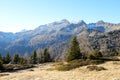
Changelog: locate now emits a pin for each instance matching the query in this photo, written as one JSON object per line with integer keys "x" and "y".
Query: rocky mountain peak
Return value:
{"x": 81, "y": 22}
{"x": 100, "y": 22}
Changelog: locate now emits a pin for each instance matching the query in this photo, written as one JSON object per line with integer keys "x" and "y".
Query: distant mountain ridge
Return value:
{"x": 49, "y": 35}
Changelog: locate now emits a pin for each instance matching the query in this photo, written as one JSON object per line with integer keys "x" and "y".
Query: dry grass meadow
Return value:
{"x": 45, "y": 72}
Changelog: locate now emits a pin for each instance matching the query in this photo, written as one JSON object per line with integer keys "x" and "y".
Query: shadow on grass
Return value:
{"x": 15, "y": 68}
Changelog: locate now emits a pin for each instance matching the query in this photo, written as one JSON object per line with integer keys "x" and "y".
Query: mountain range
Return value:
{"x": 56, "y": 36}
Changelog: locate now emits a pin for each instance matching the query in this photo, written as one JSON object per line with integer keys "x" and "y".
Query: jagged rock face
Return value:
{"x": 53, "y": 35}
{"x": 107, "y": 43}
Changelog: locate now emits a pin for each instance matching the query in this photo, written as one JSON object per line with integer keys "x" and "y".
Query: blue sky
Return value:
{"x": 16, "y": 15}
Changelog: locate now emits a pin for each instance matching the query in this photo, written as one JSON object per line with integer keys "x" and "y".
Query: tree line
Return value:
{"x": 45, "y": 56}
{"x": 34, "y": 58}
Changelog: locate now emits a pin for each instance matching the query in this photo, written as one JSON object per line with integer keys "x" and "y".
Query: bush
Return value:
{"x": 113, "y": 58}
{"x": 68, "y": 66}
{"x": 14, "y": 67}
{"x": 91, "y": 68}
{"x": 90, "y": 56}
{"x": 118, "y": 53}
{"x": 71, "y": 65}
{"x": 97, "y": 54}
{"x": 3, "y": 75}
{"x": 96, "y": 61}
{"x": 75, "y": 64}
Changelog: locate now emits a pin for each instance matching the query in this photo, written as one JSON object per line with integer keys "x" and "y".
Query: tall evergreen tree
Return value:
{"x": 4, "y": 60}
{"x": 74, "y": 52}
{"x": 7, "y": 58}
{"x": 23, "y": 61}
{"x": 46, "y": 55}
{"x": 0, "y": 56}
{"x": 1, "y": 62}
{"x": 33, "y": 58}
{"x": 16, "y": 58}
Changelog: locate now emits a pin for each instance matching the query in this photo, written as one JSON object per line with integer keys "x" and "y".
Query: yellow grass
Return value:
{"x": 82, "y": 73}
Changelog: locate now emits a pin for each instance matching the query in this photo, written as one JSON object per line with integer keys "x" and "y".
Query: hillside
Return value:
{"x": 107, "y": 43}
{"x": 57, "y": 36}
{"x": 43, "y": 72}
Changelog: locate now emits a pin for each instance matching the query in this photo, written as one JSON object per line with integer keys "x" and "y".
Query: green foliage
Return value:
{"x": 97, "y": 54}
{"x": 75, "y": 64}
{"x": 16, "y": 59}
{"x": 23, "y": 61}
{"x": 69, "y": 66}
{"x": 16, "y": 67}
{"x": 7, "y": 58}
{"x": 46, "y": 56}
{"x": 1, "y": 61}
{"x": 90, "y": 56}
{"x": 1, "y": 64}
{"x": 118, "y": 53}
{"x": 33, "y": 58}
{"x": 113, "y": 52}
{"x": 74, "y": 52}
{"x": 96, "y": 61}
{"x": 0, "y": 57}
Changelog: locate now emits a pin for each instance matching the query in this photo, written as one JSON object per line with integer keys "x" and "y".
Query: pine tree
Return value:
{"x": 23, "y": 61}
{"x": 46, "y": 55}
{"x": 7, "y": 58}
{"x": 0, "y": 56}
{"x": 1, "y": 64}
{"x": 74, "y": 52}
{"x": 33, "y": 58}
{"x": 16, "y": 59}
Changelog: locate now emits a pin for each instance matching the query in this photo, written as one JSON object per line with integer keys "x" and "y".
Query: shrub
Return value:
{"x": 31, "y": 70}
{"x": 71, "y": 65}
{"x": 68, "y": 66}
{"x": 118, "y": 53}
{"x": 91, "y": 68}
{"x": 90, "y": 56}
{"x": 75, "y": 64}
{"x": 3, "y": 75}
{"x": 96, "y": 61}
{"x": 97, "y": 54}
